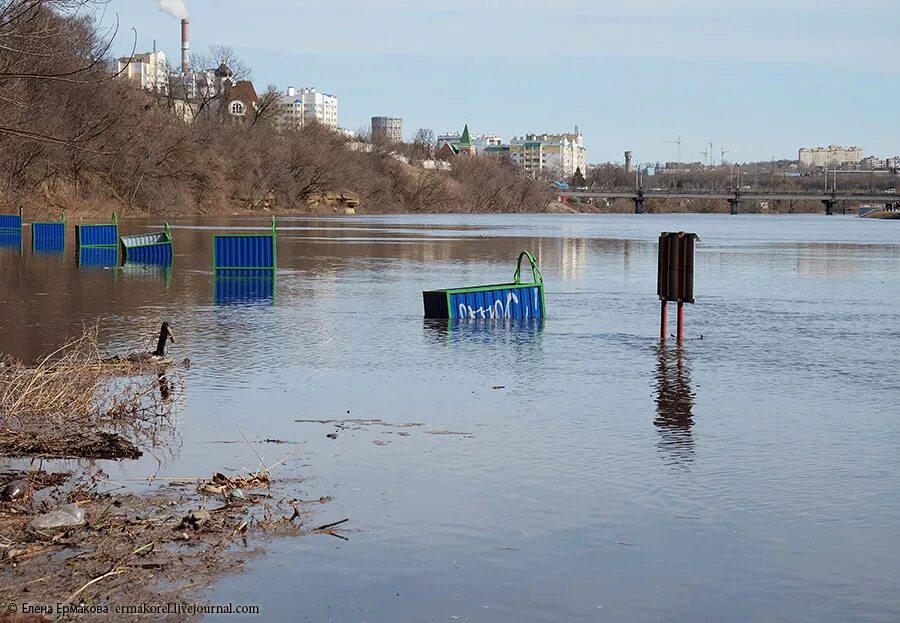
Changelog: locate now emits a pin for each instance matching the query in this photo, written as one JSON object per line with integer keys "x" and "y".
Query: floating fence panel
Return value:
{"x": 152, "y": 248}
{"x": 11, "y": 222}
{"x": 245, "y": 251}
{"x": 48, "y": 237}
{"x": 515, "y": 300}
{"x": 236, "y": 287}
{"x": 103, "y": 235}
{"x": 99, "y": 257}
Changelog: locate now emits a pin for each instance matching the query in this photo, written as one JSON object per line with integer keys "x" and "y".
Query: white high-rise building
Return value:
{"x": 302, "y": 106}
{"x": 557, "y": 154}
{"x": 149, "y": 70}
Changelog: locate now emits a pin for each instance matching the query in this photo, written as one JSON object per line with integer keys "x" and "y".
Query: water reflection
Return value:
{"x": 11, "y": 239}
{"x": 48, "y": 245}
{"x": 244, "y": 286}
{"x": 98, "y": 257}
{"x": 484, "y": 330}
{"x": 482, "y": 343}
{"x": 149, "y": 271}
{"x": 674, "y": 406}
{"x": 165, "y": 390}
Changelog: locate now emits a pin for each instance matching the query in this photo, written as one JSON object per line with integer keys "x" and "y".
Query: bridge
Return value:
{"x": 829, "y": 198}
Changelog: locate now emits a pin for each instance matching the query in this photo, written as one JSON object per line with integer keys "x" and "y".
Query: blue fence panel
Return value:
{"x": 11, "y": 221}
{"x": 10, "y": 239}
{"x": 48, "y": 237}
{"x": 509, "y": 302}
{"x": 236, "y": 252}
{"x": 97, "y": 235}
{"x": 244, "y": 286}
{"x": 157, "y": 254}
{"x": 99, "y": 257}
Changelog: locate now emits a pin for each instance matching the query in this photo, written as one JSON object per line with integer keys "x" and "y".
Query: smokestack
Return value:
{"x": 185, "y": 46}
{"x": 627, "y": 162}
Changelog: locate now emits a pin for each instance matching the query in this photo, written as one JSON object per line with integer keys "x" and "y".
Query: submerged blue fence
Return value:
{"x": 11, "y": 222}
{"x": 515, "y": 300}
{"x": 97, "y": 235}
{"x": 48, "y": 237}
{"x": 151, "y": 248}
{"x": 244, "y": 286}
{"x": 102, "y": 235}
{"x": 242, "y": 251}
{"x": 156, "y": 254}
{"x": 504, "y": 302}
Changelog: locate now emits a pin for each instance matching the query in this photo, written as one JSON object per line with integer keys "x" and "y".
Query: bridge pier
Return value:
{"x": 735, "y": 203}
{"x": 829, "y": 206}
{"x": 638, "y": 204}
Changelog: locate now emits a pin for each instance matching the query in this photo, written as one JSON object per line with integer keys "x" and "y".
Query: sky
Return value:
{"x": 757, "y": 78}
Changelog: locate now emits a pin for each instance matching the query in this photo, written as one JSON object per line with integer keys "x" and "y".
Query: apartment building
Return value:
{"x": 149, "y": 70}
{"x": 302, "y": 106}
{"x": 833, "y": 155}
{"x": 555, "y": 154}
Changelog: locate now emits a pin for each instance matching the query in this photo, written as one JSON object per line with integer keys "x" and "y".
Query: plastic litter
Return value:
{"x": 14, "y": 490}
{"x": 62, "y": 517}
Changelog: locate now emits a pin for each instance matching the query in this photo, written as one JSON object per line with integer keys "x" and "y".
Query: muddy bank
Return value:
{"x": 82, "y": 544}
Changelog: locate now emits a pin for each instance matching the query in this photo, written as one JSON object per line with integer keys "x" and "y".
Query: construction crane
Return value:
{"x": 677, "y": 142}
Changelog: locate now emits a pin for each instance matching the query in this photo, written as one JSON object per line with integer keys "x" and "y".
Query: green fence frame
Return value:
{"x": 274, "y": 266}
{"x": 537, "y": 281}
{"x": 115, "y": 221}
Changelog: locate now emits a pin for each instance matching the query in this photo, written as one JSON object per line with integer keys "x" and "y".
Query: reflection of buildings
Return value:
{"x": 572, "y": 257}
{"x": 674, "y": 406}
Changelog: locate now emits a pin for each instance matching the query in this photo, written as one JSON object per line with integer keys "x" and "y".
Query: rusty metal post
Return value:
{"x": 680, "y": 326}
{"x": 662, "y": 321}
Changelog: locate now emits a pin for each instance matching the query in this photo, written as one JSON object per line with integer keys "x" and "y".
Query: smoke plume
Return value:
{"x": 175, "y": 8}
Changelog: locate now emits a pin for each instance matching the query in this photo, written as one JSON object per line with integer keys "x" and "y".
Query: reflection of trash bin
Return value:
{"x": 153, "y": 248}
{"x": 508, "y": 300}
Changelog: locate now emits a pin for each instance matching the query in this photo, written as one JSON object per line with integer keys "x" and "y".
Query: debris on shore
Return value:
{"x": 80, "y": 538}
{"x": 71, "y": 540}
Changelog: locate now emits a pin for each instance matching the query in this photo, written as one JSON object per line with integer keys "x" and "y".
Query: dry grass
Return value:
{"x": 57, "y": 407}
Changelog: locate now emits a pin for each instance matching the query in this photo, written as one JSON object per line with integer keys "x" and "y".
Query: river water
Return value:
{"x": 570, "y": 471}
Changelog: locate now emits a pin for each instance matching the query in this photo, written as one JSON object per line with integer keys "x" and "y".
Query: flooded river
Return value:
{"x": 570, "y": 471}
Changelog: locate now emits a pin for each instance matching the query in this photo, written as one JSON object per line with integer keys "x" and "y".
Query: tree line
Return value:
{"x": 74, "y": 136}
